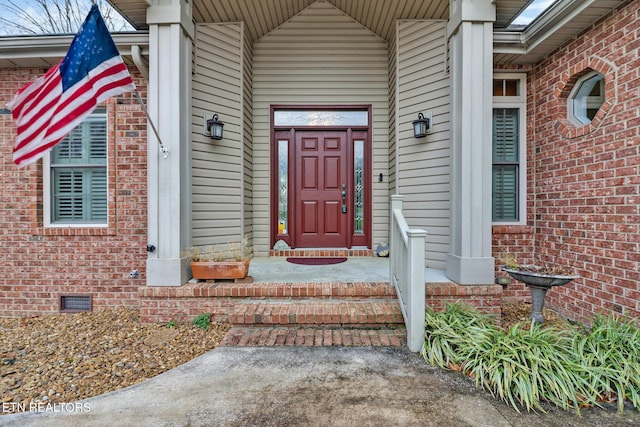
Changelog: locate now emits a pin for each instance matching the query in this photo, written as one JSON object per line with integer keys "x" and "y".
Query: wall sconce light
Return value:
{"x": 213, "y": 127}
{"x": 422, "y": 125}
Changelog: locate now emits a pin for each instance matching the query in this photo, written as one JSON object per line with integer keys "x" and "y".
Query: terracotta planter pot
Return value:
{"x": 220, "y": 269}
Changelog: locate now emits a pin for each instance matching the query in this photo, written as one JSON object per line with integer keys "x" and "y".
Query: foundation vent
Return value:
{"x": 75, "y": 303}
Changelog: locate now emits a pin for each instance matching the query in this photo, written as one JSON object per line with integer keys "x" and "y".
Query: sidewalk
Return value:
{"x": 309, "y": 386}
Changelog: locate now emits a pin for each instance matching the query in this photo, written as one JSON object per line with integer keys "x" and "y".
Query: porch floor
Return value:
{"x": 354, "y": 269}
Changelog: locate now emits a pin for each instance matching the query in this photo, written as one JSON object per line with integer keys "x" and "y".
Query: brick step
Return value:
{"x": 276, "y": 336}
{"x": 314, "y": 312}
{"x": 259, "y": 290}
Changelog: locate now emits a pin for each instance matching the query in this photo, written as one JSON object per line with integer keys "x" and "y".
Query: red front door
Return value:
{"x": 321, "y": 199}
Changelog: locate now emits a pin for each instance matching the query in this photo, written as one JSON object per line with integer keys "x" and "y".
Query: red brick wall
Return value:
{"x": 517, "y": 240}
{"x": 586, "y": 180}
{"x": 41, "y": 263}
{"x": 486, "y": 299}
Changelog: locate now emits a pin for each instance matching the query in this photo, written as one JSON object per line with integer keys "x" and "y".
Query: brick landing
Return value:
{"x": 286, "y": 314}
{"x": 304, "y": 314}
{"x": 224, "y": 300}
{"x": 278, "y": 336}
{"x": 369, "y": 313}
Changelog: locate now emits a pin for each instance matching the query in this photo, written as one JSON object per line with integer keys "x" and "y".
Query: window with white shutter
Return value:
{"x": 77, "y": 175}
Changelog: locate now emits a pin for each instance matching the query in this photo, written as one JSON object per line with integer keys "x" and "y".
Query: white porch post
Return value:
{"x": 470, "y": 33}
{"x": 169, "y": 102}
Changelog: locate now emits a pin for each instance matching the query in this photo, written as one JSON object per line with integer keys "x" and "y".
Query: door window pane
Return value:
{"x": 320, "y": 118}
{"x": 283, "y": 186}
{"x": 358, "y": 190}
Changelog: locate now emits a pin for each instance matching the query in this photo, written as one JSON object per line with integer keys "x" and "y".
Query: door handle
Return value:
{"x": 344, "y": 198}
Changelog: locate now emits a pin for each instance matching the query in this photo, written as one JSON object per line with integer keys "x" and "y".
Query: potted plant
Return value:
{"x": 223, "y": 261}
{"x": 539, "y": 279}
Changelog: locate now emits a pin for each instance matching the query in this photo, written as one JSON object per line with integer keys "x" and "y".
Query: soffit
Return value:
{"x": 47, "y": 51}
{"x": 262, "y": 16}
{"x": 565, "y": 20}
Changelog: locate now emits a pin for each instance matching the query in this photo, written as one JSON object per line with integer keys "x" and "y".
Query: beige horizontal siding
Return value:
{"x": 393, "y": 74}
{"x": 217, "y": 166}
{"x": 320, "y": 56}
{"x": 247, "y": 140}
{"x": 423, "y": 164}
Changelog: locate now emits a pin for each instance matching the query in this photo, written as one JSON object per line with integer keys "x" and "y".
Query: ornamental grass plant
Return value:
{"x": 570, "y": 367}
{"x": 608, "y": 354}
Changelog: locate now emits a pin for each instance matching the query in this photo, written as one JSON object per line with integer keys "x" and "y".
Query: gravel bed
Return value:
{"x": 67, "y": 357}
{"x": 63, "y": 358}
{"x": 513, "y": 313}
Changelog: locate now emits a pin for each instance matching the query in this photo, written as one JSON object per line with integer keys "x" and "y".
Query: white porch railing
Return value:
{"x": 406, "y": 270}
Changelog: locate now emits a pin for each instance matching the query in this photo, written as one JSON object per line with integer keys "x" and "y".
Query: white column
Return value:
{"x": 470, "y": 33}
{"x": 169, "y": 179}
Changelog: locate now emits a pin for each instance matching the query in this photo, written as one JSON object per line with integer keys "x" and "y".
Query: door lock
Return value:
{"x": 344, "y": 198}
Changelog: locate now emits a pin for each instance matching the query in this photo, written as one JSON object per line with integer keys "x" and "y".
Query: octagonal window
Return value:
{"x": 586, "y": 98}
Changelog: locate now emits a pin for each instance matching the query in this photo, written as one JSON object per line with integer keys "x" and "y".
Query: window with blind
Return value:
{"x": 78, "y": 175}
{"x": 508, "y": 160}
{"x": 505, "y": 164}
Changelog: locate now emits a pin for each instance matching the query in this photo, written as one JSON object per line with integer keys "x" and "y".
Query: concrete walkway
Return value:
{"x": 307, "y": 386}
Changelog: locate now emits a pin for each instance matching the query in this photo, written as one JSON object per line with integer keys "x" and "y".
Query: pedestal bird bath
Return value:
{"x": 539, "y": 282}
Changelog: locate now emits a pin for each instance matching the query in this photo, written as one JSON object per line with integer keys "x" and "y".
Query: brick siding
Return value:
{"x": 584, "y": 181}
{"x": 484, "y": 298}
{"x": 582, "y": 201}
{"x": 41, "y": 263}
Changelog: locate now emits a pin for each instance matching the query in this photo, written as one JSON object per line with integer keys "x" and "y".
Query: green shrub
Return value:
{"x": 203, "y": 321}
{"x": 524, "y": 367}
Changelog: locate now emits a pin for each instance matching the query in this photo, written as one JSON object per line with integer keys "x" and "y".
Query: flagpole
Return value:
{"x": 165, "y": 151}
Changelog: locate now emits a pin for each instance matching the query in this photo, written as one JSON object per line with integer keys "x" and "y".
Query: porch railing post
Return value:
{"x": 406, "y": 272}
{"x": 395, "y": 238}
{"x": 416, "y": 290}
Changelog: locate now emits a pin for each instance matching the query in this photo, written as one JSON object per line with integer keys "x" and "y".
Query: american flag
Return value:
{"x": 46, "y": 110}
